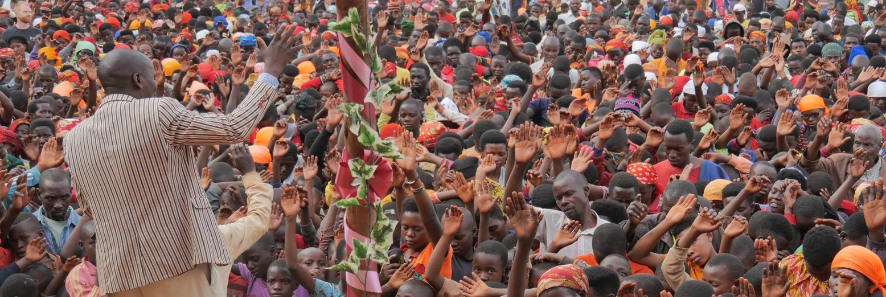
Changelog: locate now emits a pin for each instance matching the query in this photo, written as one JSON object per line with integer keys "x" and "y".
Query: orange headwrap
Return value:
{"x": 862, "y": 261}
{"x": 758, "y": 34}
{"x": 616, "y": 43}
{"x": 260, "y": 154}
{"x": 810, "y": 102}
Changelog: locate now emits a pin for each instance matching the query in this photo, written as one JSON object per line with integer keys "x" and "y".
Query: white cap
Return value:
{"x": 638, "y": 45}
{"x": 651, "y": 76}
{"x": 689, "y": 88}
{"x": 702, "y": 31}
{"x": 211, "y": 53}
{"x": 712, "y": 57}
{"x": 201, "y": 34}
{"x": 632, "y": 59}
{"x": 873, "y": 3}
{"x": 739, "y": 7}
{"x": 877, "y": 89}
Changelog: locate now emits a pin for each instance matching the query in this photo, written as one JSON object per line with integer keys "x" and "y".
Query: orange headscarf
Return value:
{"x": 810, "y": 102}
{"x": 758, "y": 34}
{"x": 862, "y": 261}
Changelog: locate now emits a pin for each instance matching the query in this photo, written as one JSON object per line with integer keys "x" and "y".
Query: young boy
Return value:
{"x": 25, "y": 229}
{"x": 83, "y": 279}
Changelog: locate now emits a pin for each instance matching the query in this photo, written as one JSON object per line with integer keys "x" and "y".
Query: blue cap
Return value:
{"x": 219, "y": 19}
{"x": 247, "y": 40}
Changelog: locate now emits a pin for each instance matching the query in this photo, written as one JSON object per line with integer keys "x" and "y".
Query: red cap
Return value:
{"x": 114, "y": 22}
{"x": 61, "y": 34}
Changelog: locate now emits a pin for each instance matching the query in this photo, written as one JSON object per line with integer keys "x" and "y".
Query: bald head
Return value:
{"x": 127, "y": 72}
{"x": 870, "y": 131}
{"x": 674, "y": 48}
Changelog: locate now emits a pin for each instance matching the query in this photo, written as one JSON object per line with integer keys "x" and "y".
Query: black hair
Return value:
{"x": 662, "y": 108}
{"x": 700, "y": 185}
{"x": 450, "y": 42}
{"x": 675, "y": 189}
{"x": 827, "y": 245}
{"x": 878, "y": 61}
{"x": 543, "y": 196}
{"x": 820, "y": 180}
{"x": 680, "y": 127}
{"x": 859, "y": 103}
{"x": 764, "y": 224}
{"x": 32, "y": 107}
{"x": 624, "y": 180}
{"x": 707, "y": 44}
{"x": 645, "y": 281}
{"x": 755, "y": 276}
{"x": 266, "y": 242}
{"x": 731, "y": 264}
{"x": 694, "y": 288}
{"x": 591, "y": 174}
{"x": 602, "y": 281}
{"x": 421, "y": 66}
{"x": 494, "y": 248}
{"x": 43, "y": 123}
{"x": 795, "y": 174}
{"x": 609, "y": 239}
{"x": 637, "y": 138}
{"x": 743, "y": 248}
{"x": 747, "y": 101}
{"x": 611, "y": 209}
{"x": 519, "y": 69}
{"x": 809, "y": 206}
{"x": 409, "y": 205}
{"x": 448, "y": 145}
{"x": 733, "y": 189}
{"x": 767, "y": 133}
{"x": 492, "y": 137}
{"x": 560, "y": 81}
{"x": 561, "y": 63}
{"x": 518, "y": 84}
{"x": 481, "y": 127}
{"x": 855, "y": 227}
{"x": 39, "y": 273}
{"x": 20, "y": 285}
{"x": 290, "y": 70}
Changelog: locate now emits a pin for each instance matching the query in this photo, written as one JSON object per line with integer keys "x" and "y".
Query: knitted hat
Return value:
{"x": 831, "y": 49}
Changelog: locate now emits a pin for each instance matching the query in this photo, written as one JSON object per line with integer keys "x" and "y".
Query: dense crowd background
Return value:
{"x": 549, "y": 148}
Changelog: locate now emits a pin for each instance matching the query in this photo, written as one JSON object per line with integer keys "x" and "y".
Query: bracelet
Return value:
{"x": 409, "y": 182}
{"x": 418, "y": 190}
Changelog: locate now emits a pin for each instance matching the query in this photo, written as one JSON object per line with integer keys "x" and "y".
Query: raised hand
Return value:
{"x": 874, "y": 198}
{"x": 577, "y": 107}
{"x": 474, "y": 287}
{"x": 837, "y": 137}
{"x": 406, "y": 144}
{"x": 708, "y": 140}
{"x": 280, "y": 52}
{"x": 52, "y": 155}
{"x": 744, "y": 289}
{"x": 737, "y": 117}
{"x": 527, "y": 143}
{"x": 669, "y": 79}
{"x": 678, "y": 212}
{"x": 281, "y": 148}
{"x": 702, "y": 117}
{"x": 765, "y": 250}
{"x": 36, "y": 249}
{"x": 310, "y": 168}
{"x": 403, "y": 274}
{"x": 5, "y": 183}
{"x": 774, "y": 280}
{"x": 607, "y": 127}
{"x": 485, "y": 200}
{"x": 70, "y": 263}
{"x": 582, "y": 159}
{"x": 241, "y": 158}
{"x": 786, "y": 124}
{"x": 553, "y": 114}
{"x": 706, "y": 221}
{"x": 523, "y": 218}
{"x": 452, "y": 218}
{"x": 637, "y": 211}
{"x": 857, "y": 166}
{"x": 487, "y": 164}
{"x": 755, "y": 184}
{"x": 654, "y": 137}
{"x": 22, "y": 196}
{"x": 744, "y": 136}
{"x": 465, "y": 189}
{"x": 205, "y": 178}
{"x": 568, "y": 234}
{"x": 737, "y": 227}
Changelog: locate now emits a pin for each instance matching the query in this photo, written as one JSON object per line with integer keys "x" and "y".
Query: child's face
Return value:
{"x": 257, "y": 258}
{"x": 279, "y": 282}
{"x": 229, "y": 200}
{"x": 412, "y": 231}
{"x": 623, "y": 195}
{"x": 619, "y": 264}
{"x": 463, "y": 242}
{"x": 499, "y": 151}
{"x": 488, "y": 267}
{"x": 718, "y": 277}
{"x": 21, "y": 234}
{"x": 314, "y": 260}
{"x": 701, "y": 250}
{"x": 746, "y": 209}
{"x": 497, "y": 229}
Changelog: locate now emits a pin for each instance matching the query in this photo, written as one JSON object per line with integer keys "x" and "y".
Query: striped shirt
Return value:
{"x": 134, "y": 172}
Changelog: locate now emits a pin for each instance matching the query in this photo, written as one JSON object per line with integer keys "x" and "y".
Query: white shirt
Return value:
{"x": 551, "y": 223}
{"x": 568, "y": 17}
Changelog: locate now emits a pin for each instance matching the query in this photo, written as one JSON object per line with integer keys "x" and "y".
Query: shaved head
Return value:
{"x": 127, "y": 72}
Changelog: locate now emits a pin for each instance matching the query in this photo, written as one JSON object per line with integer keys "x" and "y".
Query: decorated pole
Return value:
{"x": 365, "y": 173}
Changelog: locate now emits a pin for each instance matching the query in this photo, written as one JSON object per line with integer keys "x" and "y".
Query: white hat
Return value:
{"x": 211, "y": 53}
{"x": 201, "y": 34}
{"x": 689, "y": 88}
{"x": 651, "y": 76}
{"x": 877, "y": 89}
{"x": 638, "y": 45}
{"x": 632, "y": 59}
{"x": 712, "y": 57}
{"x": 739, "y": 7}
{"x": 873, "y": 3}
{"x": 702, "y": 31}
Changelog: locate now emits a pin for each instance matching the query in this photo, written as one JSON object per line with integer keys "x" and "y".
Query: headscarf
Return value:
{"x": 389, "y": 131}
{"x": 723, "y": 99}
{"x": 657, "y": 37}
{"x": 831, "y": 49}
{"x": 862, "y": 261}
{"x": 428, "y": 133}
{"x": 758, "y": 34}
{"x": 63, "y": 89}
{"x": 643, "y": 172}
{"x": 6, "y": 53}
{"x": 170, "y": 65}
{"x": 616, "y": 43}
{"x": 810, "y": 102}
{"x": 179, "y": 45}
{"x": 260, "y": 154}
{"x": 857, "y": 50}
{"x": 50, "y": 55}
{"x": 83, "y": 45}
{"x": 714, "y": 190}
{"x": 9, "y": 137}
{"x": 568, "y": 276}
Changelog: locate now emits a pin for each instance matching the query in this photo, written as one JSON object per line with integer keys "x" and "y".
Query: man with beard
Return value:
{"x": 23, "y": 17}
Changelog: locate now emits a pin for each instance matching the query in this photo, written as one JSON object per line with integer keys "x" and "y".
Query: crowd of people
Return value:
{"x": 547, "y": 148}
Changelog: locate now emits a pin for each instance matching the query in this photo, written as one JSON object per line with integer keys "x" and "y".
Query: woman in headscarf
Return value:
{"x": 812, "y": 109}
{"x": 563, "y": 280}
{"x": 857, "y": 271}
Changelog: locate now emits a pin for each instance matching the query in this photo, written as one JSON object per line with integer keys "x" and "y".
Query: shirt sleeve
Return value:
{"x": 184, "y": 127}
{"x": 324, "y": 289}
{"x": 672, "y": 266}
{"x": 242, "y": 234}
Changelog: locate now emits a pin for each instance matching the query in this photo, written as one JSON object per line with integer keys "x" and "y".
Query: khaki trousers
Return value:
{"x": 194, "y": 282}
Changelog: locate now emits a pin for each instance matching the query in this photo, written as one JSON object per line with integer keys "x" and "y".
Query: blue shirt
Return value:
{"x": 33, "y": 180}
{"x": 54, "y": 246}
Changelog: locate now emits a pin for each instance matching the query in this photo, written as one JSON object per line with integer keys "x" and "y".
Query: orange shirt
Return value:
{"x": 421, "y": 261}
{"x": 635, "y": 267}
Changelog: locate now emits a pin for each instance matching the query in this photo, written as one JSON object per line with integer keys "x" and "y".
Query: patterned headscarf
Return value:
{"x": 657, "y": 37}
{"x": 644, "y": 173}
{"x": 568, "y": 276}
{"x": 723, "y": 99}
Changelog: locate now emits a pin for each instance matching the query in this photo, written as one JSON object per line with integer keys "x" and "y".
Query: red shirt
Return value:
{"x": 665, "y": 170}
{"x": 680, "y": 111}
